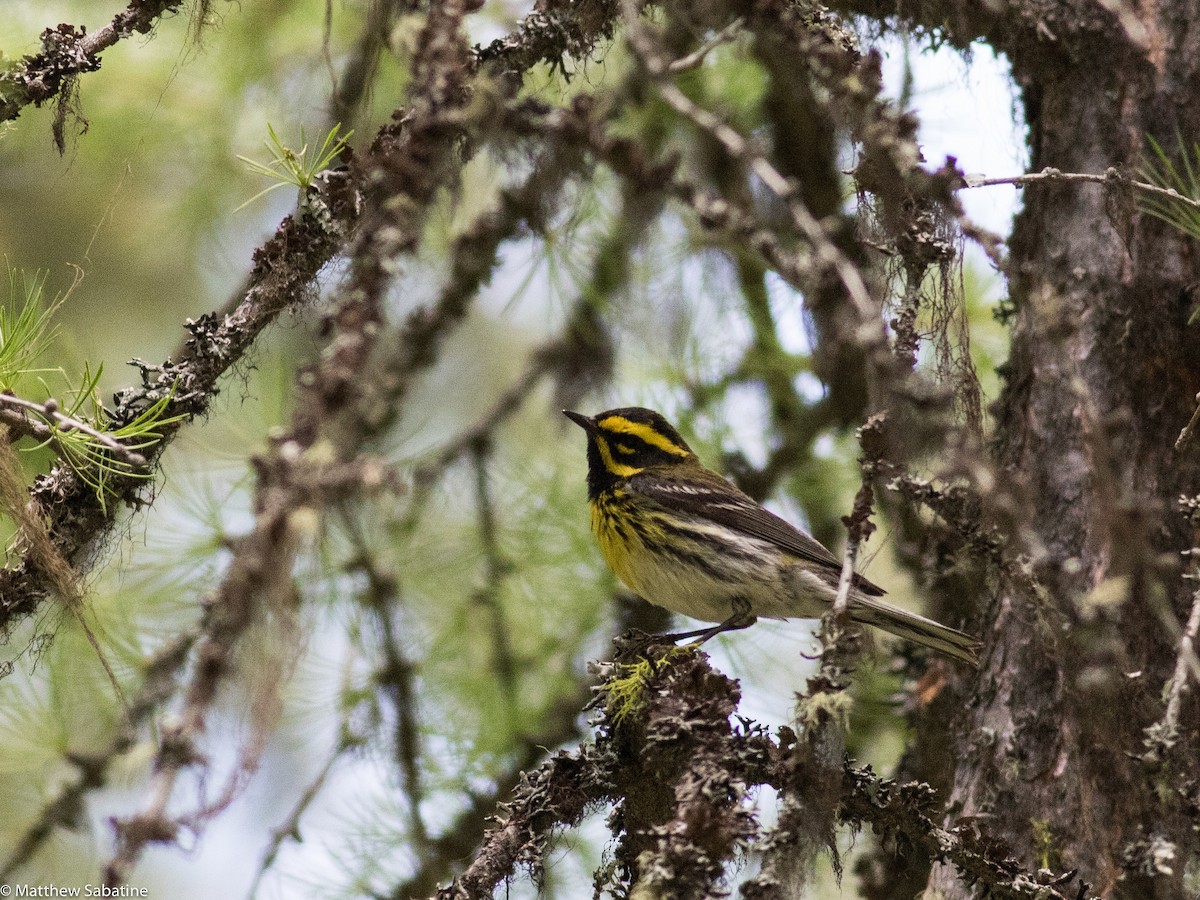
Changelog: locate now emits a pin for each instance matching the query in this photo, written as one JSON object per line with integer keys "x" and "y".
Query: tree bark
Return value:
{"x": 1103, "y": 374}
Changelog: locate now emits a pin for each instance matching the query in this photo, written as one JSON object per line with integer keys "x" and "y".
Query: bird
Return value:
{"x": 683, "y": 537}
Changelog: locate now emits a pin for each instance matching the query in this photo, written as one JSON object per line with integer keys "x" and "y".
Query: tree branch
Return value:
{"x": 908, "y": 810}
{"x": 67, "y": 52}
{"x": 827, "y": 255}
{"x": 290, "y": 475}
{"x": 1112, "y": 178}
{"x": 65, "y": 809}
{"x": 15, "y": 412}
{"x": 284, "y": 268}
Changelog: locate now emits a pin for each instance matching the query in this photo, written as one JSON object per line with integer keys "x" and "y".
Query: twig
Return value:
{"x": 497, "y": 568}
{"x": 284, "y": 268}
{"x": 461, "y": 837}
{"x": 907, "y": 813}
{"x": 289, "y": 476}
{"x": 262, "y": 563}
{"x": 697, "y": 56}
{"x": 505, "y": 406}
{"x": 290, "y": 827}
{"x": 33, "y": 535}
{"x": 858, "y": 526}
{"x": 766, "y": 361}
{"x": 629, "y": 160}
{"x": 814, "y": 784}
{"x": 473, "y": 259}
{"x": 39, "y": 431}
{"x": 549, "y": 33}
{"x": 841, "y": 603}
{"x": 1185, "y": 436}
{"x": 395, "y": 673}
{"x": 1111, "y": 176}
{"x": 63, "y": 811}
{"x": 827, "y": 254}
{"x": 1185, "y": 662}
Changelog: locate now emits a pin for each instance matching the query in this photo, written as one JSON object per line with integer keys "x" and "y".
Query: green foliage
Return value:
{"x": 80, "y": 432}
{"x": 295, "y": 167}
{"x": 90, "y": 454}
{"x": 26, "y": 330}
{"x": 1182, "y": 178}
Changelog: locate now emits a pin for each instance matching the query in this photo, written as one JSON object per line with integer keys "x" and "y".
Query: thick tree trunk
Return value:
{"x": 1103, "y": 375}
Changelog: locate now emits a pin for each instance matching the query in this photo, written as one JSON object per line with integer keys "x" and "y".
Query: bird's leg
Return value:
{"x": 739, "y": 619}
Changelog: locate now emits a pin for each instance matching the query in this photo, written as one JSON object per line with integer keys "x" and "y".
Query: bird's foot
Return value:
{"x": 739, "y": 619}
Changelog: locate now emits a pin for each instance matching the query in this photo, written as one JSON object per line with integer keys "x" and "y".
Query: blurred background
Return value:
{"x": 394, "y": 726}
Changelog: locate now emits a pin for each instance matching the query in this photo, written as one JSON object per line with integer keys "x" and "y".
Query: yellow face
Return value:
{"x": 624, "y": 442}
{"x": 628, "y": 447}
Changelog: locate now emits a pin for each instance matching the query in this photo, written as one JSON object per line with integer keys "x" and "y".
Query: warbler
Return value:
{"x": 682, "y": 537}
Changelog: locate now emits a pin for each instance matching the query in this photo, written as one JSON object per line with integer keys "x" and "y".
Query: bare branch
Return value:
{"x": 497, "y": 570}
{"x": 1185, "y": 436}
{"x": 1165, "y": 733}
{"x": 289, "y": 829}
{"x": 858, "y": 524}
{"x": 396, "y": 672}
{"x": 65, "y": 809}
{"x": 697, "y": 56}
{"x": 290, "y": 475}
{"x": 908, "y": 810}
{"x": 1185, "y": 662}
{"x": 1111, "y": 177}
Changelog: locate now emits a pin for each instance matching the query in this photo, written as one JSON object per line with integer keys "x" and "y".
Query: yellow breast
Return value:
{"x": 619, "y": 541}
{"x": 697, "y": 568}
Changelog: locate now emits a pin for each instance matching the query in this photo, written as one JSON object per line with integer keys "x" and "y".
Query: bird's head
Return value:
{"x": 625, "y": 442}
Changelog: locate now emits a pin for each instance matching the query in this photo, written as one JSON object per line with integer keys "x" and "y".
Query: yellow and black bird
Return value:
{"x": 683, "y": 537}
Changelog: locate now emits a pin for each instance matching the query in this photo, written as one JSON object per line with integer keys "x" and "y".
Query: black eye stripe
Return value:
{"x": 628, "y": 444}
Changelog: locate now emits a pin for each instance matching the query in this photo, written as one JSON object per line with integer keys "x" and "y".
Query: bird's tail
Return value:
{"x": 911, "y": 627}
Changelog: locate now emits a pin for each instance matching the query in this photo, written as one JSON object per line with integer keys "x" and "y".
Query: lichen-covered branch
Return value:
{"x": 909, "y": 811}
{"x": 678, "y": 777}
{"x": 68, "y": 52}
{"x": 283, "y": 273}
{"x": 283, "y": 276}
{"x": 321, "y": 435}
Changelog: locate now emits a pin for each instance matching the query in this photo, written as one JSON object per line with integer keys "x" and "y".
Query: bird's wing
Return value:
{"x": 733, "y": 509}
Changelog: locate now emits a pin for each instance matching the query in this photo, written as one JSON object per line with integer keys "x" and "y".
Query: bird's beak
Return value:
{"x": 585, "y": 422}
